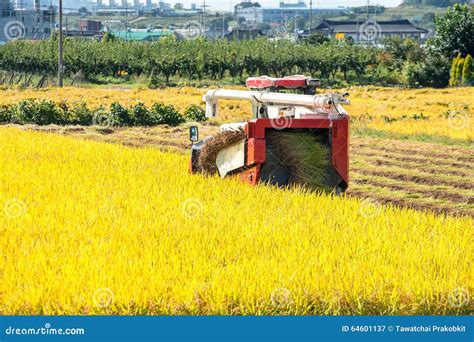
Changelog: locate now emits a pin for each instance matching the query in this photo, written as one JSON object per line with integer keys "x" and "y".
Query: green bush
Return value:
{"x": 5, "y": 114}
{"x": 164, "y": 115}
{"x": 141, "y": 115}
{"x": 43, "y": 112}
{"x": 385, "y": 76}
{"x": 432, "y": 73}
{"x": 467, "y": 72}
{"x": 452, "y": 73}
{"x": 79, "y": 114}
{"x": 122, "y": 116}
{"x": 195, "y": 113}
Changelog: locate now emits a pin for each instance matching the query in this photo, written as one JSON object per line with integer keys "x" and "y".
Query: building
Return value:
{"x": 289, "y": 13}
{"x": 26, "y": 23}
{"x": 5, "y": 5}
{"x": 142, "y": 35}
{"x": 299, "y": 5}
{"x": 242, "y": 34}
{"x": 251, "y": 14}
{"x": 369, "y": 32}
{"x": 87, "y": 25}
{"x": 164, "y": 6}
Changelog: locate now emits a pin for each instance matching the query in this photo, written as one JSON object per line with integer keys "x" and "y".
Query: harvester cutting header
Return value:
{"x": 293, "y": 138}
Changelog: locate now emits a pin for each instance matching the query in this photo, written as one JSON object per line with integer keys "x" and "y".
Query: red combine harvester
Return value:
{"x": 293, "y": 138}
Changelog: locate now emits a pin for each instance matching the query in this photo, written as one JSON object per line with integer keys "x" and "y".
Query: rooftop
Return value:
{"x": 401, "y": 26}
{"x": 141, "y": 34}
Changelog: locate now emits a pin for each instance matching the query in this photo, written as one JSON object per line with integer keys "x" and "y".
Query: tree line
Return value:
{"x": 190, "y": 59}
{"x": 398, "y": 61}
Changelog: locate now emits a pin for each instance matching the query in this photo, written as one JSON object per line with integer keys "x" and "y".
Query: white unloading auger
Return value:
{"x": 279, "y": 104}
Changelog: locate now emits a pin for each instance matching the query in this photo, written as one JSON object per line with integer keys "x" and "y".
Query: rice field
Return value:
{"x": 420, "y": 113}
{"x": 95, "y": 228}
{"x": 423, "y": 176}
{"x": 112, "y": 223}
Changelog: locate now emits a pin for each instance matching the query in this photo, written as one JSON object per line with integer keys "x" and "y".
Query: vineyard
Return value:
{"x": 195, "y": 59}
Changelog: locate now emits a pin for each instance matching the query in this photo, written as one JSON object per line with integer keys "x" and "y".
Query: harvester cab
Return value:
{"x": 294, "y": 138}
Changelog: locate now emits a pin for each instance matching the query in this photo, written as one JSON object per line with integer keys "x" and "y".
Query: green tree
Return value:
{"x": 459, "y": 68}
{"x": 400, "y": 50}
{"x": 316, "y": 39}
{"x": 467, "y": 76}
{"x": 452, "y": 73}
{"x": 455, "y": 32}
{"x": 434, "y": 72}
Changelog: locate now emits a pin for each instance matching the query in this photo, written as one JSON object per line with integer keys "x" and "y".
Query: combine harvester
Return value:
{"x": 293, "y": 138}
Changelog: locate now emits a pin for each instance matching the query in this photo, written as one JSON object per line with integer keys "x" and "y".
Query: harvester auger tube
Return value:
{"x": 293, "y": 139}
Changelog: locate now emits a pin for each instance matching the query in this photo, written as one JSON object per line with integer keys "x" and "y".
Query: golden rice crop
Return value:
{"x": 450, "y": 111}
{"x": 91, "y": 228}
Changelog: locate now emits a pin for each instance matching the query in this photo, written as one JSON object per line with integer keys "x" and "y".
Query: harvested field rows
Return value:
{"x": 417, "y": 175}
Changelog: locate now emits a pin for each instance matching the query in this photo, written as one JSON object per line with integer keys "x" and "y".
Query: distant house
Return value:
{"x": 87, "y": 25}
{"x": 369, "y": 32}
{"x": 141, "y": 35}
{"x": 251, "y": 14}
{"x": 242, "y": 34}
{"x": 286, "y": 12}
{"x": 88, "y": 29}
{"x": 26, "y": 23}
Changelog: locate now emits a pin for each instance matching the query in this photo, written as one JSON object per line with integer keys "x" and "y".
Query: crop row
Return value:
{"x": 46, "y": 112}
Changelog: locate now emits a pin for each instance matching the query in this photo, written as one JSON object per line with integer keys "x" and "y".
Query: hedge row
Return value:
{"x": 45, "y": 112}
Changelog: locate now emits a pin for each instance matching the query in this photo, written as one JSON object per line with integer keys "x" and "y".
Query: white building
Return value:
{"x": 250, "y": 14}
{"x": 26, "y": 24}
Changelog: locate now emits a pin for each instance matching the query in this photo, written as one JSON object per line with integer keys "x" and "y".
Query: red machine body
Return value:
{"x": 300, "y": 110}
{"x": 256, "y": 152}
{"x": 289, "y": 82}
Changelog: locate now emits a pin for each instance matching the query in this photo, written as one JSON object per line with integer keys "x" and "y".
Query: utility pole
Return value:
{"x": 204, "y": 7}
{"x": 126, "y": 21}
{"x": 60, "y": 56}
{"x": 310, "y": 16}
{"x": 223, "y": 25}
